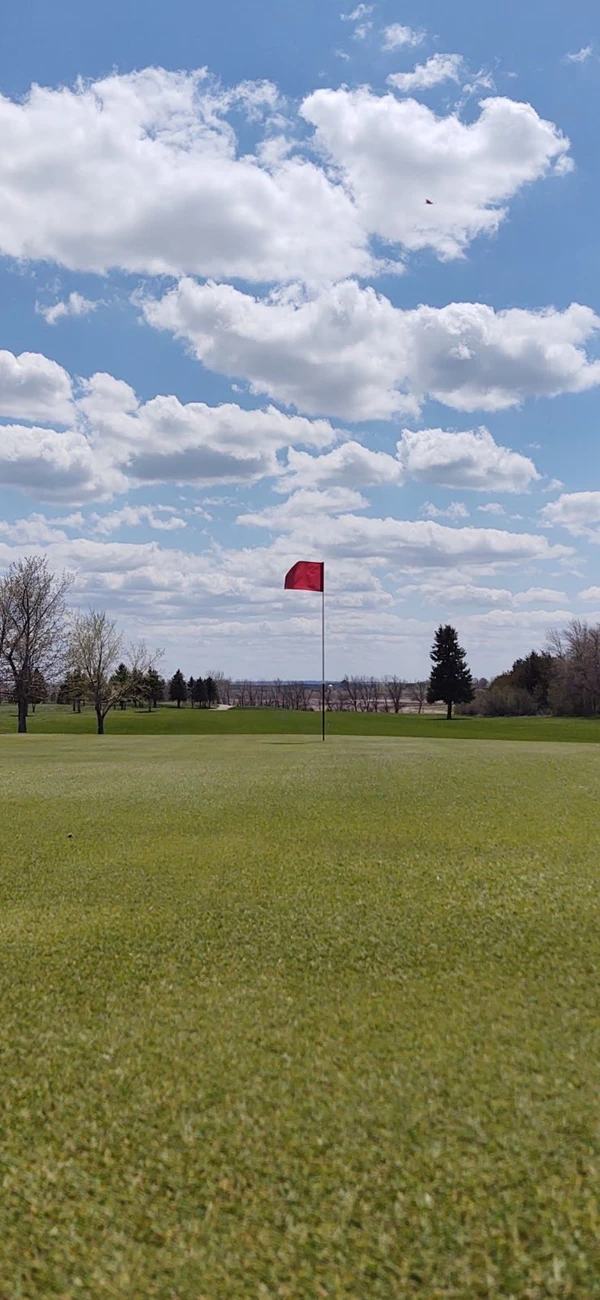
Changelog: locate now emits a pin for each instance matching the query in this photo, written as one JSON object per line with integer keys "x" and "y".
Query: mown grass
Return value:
{"x": 171, "y": 721}
{"x": 283, "y": 1019}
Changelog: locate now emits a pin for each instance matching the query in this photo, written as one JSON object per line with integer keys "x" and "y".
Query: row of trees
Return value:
{"x": 200, "y": 691}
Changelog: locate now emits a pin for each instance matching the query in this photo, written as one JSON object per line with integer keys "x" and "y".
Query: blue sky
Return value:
{"x": 234, "y": 333}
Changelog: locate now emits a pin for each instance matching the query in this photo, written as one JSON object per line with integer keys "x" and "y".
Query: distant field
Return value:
{"x": 291, "y": 1020}
{"x": 171, "y": 721}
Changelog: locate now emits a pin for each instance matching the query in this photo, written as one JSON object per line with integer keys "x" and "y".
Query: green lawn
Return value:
{"x": 280, "y": 1019}
{"x": 171, "y": 721}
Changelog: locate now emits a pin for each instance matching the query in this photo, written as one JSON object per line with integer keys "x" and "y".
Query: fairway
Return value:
{"x": 281, "y": 1019}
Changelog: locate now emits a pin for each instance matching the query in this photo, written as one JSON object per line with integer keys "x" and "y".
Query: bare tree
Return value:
{"x": 33, "y": 619}
{"x": 95, "y": 650}
{"x": 418, "y": 693}
{"x": 576, "y": 688}
{"x": 350, "y": 689}
{"x": 395, "y": 690}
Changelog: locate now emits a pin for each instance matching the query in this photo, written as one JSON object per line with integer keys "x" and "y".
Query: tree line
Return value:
{"x": 80, "y": 657}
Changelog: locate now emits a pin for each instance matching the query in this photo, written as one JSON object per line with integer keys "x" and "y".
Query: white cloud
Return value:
{"x": 347, "y": 351}
{"x": 361, "y": 11}
{"x": 439, "y": 68}
{"x": 160, "y": 518}
{"x": 396, "y": 36}
{"x": 115, "y": 441}
{"x": 75, "y": 305}
{"x": 395, "y": 154}
{"x": 302, "y": 505}
{"x": 456, "y": 510}
{"x": 144, "y": 172}
{"x": 34, "y": 388}
{"x": 578, "y": 512}
{"x": 468, "y": 593}
{"x": 581, "y": 56}
{"x": 350, "y": 465}
{"x": 471, "y": 459}
{"x": 590, "y": 593}
{"x": 422, "y": 543}
{"x": 492, "y": 508}
{"x": 55, "y": 466}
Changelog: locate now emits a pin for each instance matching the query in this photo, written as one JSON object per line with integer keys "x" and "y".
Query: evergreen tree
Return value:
{"x": 178, "y": 688}
{"x": 121, "y": 680}
{"x": 191, "y": 690}
{"x": 212, "y": 693}
{"x": 450, "y": 679}
{"x": 72, "y": 691}
{"x": 200, "y": 693}
{"x": 155, "y": 687}
{"x": 38, "y": 693}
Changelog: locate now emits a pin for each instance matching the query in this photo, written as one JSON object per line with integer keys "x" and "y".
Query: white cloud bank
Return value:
{"x": 346, "y": 351}
{"x": 144, "y": 172}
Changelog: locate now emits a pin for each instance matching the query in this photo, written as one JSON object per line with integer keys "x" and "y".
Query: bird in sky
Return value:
{"x": 430, "y": 202}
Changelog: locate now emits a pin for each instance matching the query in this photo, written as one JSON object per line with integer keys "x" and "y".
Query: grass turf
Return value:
{"x": 171, "y": 721}
{"x": 284, "y": 1020}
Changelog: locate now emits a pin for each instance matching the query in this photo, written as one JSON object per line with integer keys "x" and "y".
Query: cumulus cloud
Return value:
{"x": 439, "y": 68}
{"x": 55, "y": 466}
{"x": 471, "y": 459}
{"x": 74, "y": 305}
{"x": 160, "y": 518}
{"x": 347, "y": 351}
{"x": 302, "y": 505}
{"x": 115, "y": 441}
{"x": 456, "y": 510}
{"x": 423, "y": 543}
{"x": 396, "y": 36}
{"x": 350, "y": 465}
{"x": 492, "y": 508}
{"x": 34, "y": 388}
{"x": 144, "y": 172}
{"x": 590, "y": 593}
{"x": 469, "y": 593}
{"x": 394, "y": 154}
{"x": 578, "y": 512}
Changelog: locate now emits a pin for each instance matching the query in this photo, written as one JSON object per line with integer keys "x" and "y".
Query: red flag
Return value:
{"x": 306, "y": 575}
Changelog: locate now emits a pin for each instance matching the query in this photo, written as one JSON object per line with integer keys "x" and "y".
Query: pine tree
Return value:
{"x": 39, "y": 690}
{"x": 178, "y": 688}
{"x": 212, "y": 694}
{"x": 450, "y": 679}
{"x": 155, "y": 687}
{"x": 200, "y": 696}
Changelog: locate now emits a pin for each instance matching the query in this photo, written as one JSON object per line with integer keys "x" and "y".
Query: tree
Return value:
{"x": 575, "y": 687}
{"x": 33, "y": 620}
{"x": 191, "y": 689}
{"x": 450, "y": 679}
{"x": 155, "y": 687}
{"x": 212, "y": 693}
{"x": 72, "y": 691}
{"x": 395, "y": 690}
{"x": 418, "y": 694}
{"x": 39, "y": 689}
{"x": 95, "y": 649}
{"x": 200, "y": 696}
{"x": 178, "y": 688}
{"x": 121, "y": 681}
